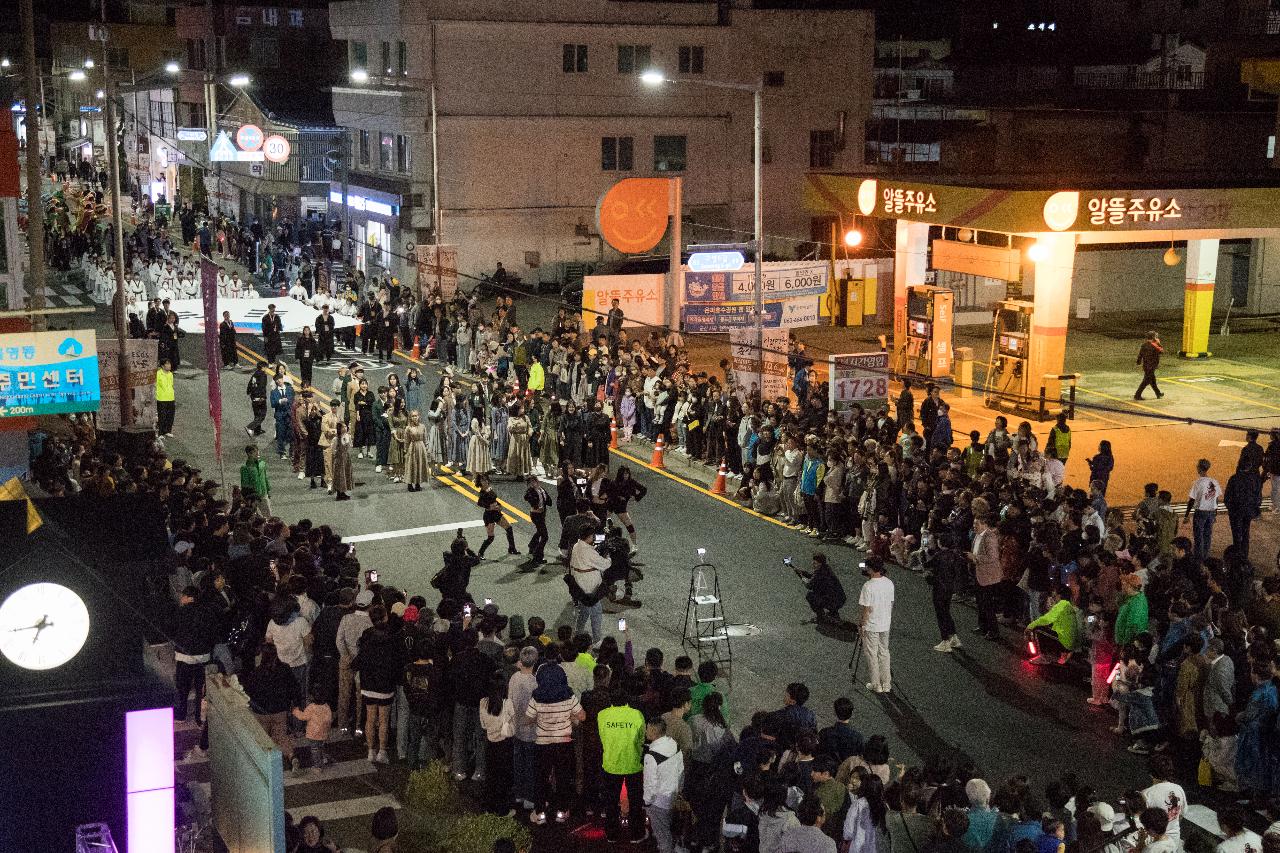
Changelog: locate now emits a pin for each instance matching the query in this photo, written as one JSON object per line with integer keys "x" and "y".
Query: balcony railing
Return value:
{"x": 1176, "y": 79}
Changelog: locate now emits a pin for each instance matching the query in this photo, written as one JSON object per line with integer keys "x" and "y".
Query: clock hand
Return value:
{"x": 36, "y": 627}
{"x": 40, "y": 626}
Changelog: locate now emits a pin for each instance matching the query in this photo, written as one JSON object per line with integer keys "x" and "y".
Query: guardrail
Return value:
{"x": 1070, "y": 403}
{"x": 247, "y": 784}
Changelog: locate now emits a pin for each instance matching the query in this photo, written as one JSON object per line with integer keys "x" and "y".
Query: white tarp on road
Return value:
{"x": 247, "y": 314}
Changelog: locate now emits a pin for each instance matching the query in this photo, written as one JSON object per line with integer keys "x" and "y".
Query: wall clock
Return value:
{"x": 42, "y": 626}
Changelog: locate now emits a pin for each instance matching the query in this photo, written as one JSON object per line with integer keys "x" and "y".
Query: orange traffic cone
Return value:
{"x": 416, "y": 353}
{"x": 658, "y": 449}
{"x": 718, "y": 487}
{"x": 613, "y": 433}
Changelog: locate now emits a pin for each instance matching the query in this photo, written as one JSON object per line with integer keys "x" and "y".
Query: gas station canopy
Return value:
{"x": 1095, "y": 215}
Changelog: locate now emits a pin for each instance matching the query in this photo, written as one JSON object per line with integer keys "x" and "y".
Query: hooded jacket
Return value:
{"x": 663, "y": 772}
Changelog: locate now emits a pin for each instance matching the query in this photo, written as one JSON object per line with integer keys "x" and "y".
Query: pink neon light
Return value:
{"x": 151, "y": 821}
{"x": 148, "y": 749}
{"x": 149, "y": 780}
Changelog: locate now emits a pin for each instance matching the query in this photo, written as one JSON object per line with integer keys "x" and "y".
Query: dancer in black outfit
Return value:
{"x": 623, "y": 490}
{"x": 488, "y": 501}
{"x": 538, "y": 500}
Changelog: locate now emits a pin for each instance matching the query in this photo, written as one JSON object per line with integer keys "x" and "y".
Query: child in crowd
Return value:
{"x": 319, "y": 719}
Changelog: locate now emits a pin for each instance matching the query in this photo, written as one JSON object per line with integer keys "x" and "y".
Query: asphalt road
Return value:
{"x": 983, "y": 701}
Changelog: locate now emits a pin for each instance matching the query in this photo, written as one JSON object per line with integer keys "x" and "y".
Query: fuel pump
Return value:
{"x": 927, "y": 345}
{"x": 1009, "y": 384}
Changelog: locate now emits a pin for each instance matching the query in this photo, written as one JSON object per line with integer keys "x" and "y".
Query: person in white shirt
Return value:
{"x": 298, "y": 292}
{"x": 876, "y": 600}
{"x": 663, "y": 777}
{"x": 1202, "y": 509}
{"x": 1238, "y": 839}
{"x": 586, "y": 565}
{"x": 290, "y": 633}
{"x": 1166, "y": 795}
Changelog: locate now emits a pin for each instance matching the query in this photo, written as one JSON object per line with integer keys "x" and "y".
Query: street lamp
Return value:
{"x": 99, "y": 94}
{"x": 88, "y": 63}
{"x": 172, "y": 67}
{"x": 654, "y": 77}
{"x": 5, "y": 63}
{"x": 359, "y": 75}
{"x": 239, "y": 80}
{"x": 76, "y": 76}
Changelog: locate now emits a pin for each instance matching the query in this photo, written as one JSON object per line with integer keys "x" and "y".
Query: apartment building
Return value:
{"x": 539, "y": 109}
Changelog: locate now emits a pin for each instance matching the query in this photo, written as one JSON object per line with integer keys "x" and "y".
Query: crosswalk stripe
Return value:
{"x": 336, "y": 770}
{"x": 412, "y": 531}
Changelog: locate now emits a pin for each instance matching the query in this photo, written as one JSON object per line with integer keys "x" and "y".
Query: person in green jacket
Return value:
{"x": 702, "y": 688}
{"x": 1131, "y": 620}
{"x": 1060, "y": 438}
{"x": 1057, "y": 630}
{"x": 622, "y": 738}
{"x": 165, "y": 406}
{"x": 253, "y": 477}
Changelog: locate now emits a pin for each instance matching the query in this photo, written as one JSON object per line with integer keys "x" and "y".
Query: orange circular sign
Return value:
{"x": 632, "y": 215}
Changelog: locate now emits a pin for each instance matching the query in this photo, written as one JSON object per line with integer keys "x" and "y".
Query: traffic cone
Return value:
{"x": 658, "y": 449}
{"x": 416, "y": 352}
{"x": 718, "y": 487}
{"x": 613, "y": 433}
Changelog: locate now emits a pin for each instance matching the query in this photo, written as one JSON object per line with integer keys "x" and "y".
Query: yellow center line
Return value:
{"x": 257, "y": 359}
{"x": 1205, "y": 386}
{"x": 474, "y": 493}
{"x": 698, "y": 488}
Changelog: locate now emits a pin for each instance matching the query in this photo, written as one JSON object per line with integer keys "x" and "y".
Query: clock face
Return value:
{"x": 42, "y": 626}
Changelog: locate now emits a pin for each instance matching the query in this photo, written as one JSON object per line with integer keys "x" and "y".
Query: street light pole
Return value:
{"x": 653, "y": 77}
{"x": 35, "y": 170}
{"x": 758, "y": 215}
{"x": 117, "y": 239}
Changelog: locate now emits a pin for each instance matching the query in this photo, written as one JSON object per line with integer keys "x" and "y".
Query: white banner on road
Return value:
{"x": 247, "y": 314}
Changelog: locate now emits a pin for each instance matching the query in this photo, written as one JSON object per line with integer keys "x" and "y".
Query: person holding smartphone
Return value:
{"x": 826, "y": 595}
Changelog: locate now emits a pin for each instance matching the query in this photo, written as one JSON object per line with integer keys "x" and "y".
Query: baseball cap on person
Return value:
{"x": 365, "y": 598}
{"x": 1105, "y": 814}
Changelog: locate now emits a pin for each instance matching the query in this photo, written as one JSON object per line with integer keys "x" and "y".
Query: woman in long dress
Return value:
{"x": 498, "y": 426}
{"x": 519, "y": 459}
{"x": 399, "y": 420}
{"x": 342, "y": 476}
{"x": 549, "y": 438}
{"x": 311, "y": 423}
{"x": 435, "y": 447}
{"x": 413, "y": 390}
{"x": 418, "y": 463}
{"x": 461, "y": 435}
{"x": 478, "y": 459}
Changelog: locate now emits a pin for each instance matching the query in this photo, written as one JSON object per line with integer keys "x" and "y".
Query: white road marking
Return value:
{"x": 413, "y": 531}
{"x": 1226, "y": 442}
{"x": 342, "y": 809}
{"x": 336, "y": 770}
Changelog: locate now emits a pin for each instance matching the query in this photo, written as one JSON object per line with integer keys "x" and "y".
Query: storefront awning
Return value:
{"x": 77, "y": 143}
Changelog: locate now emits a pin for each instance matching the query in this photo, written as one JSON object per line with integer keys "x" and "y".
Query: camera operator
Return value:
{"x": 586, "y": 584}
{"x": 876, "y": 600}
{"x": 946, "y": 572}
{"x": 613, "y": 544}
{"x": 575, "y": 526}
{"x": 826, "y": 594}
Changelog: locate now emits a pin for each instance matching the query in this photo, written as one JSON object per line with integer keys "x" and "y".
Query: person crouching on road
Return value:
{"x": 826, "y": 595}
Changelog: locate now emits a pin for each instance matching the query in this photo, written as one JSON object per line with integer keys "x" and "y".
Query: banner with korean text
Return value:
{"x": 47, "y": 373}
{"x": 212, "y": 352}
{"x": 143, "y": 357}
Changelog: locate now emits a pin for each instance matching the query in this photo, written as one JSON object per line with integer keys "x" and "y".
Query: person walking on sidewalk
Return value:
{"x": 166, "y": 408}
{"x": 1149, "y": 359}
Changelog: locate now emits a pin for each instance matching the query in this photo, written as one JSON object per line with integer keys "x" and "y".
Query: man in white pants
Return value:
{"x": 876, "y": 600}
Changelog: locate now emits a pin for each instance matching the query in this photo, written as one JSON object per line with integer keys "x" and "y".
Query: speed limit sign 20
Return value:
{"x": 276, "y": 148}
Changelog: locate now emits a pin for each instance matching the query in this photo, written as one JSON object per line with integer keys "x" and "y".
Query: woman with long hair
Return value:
{"x": 623, "y": 490}
{"x": 497, "y": 718}
{"x": 488, "y": 501}
{"x": 865, "y": 824}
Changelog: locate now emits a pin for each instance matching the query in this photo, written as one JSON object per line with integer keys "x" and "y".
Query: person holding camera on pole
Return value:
{"x": 876, "y": 600}
{"x": 826, "y": 594}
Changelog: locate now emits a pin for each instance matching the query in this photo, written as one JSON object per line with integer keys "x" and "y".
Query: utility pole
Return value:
{"x": 35, "y": 169}
{"x": 345, "y": 225}
{"x": 117, "y": 234}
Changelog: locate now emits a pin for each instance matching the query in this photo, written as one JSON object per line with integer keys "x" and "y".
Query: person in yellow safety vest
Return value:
{"x": 1060, "y": 438}
{"x": 537, "y": 377}
{"x": 165, "y": 406}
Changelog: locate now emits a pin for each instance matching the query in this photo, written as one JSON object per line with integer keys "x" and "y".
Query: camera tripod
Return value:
{"x": 855, "y": 659}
